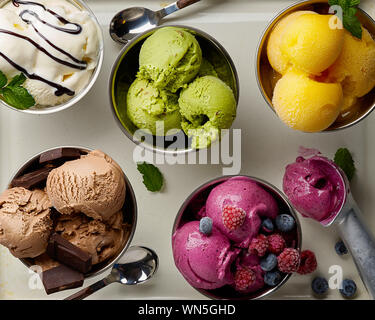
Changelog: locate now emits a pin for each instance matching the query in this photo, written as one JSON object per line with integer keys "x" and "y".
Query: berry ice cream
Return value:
{"x": 203, "y": 260}
{"x": 220, "y": 245}
{"x": 251, "y": 264}
{"x": 237, "y": 207}
{"x": 315, "y": 187}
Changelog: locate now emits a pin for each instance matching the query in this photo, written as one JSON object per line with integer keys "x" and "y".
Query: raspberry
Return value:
{"x": 308, "y": 262}
{"x": 259, "y": 245}
{"x": 276, "y": 243}
{"x": 233, "y": 217}
{"x": 244, "y": 278}
{"x": 288, "y": 260}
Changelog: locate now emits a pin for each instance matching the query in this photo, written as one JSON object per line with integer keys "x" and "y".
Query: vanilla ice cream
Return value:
{"x": 54, "y": 43}
{"x": 94, "y": 185}
{"x": 25, "y": 222}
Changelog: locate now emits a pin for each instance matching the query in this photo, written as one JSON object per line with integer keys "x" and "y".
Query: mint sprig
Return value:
{"x": 344, "y": 160}
{"x": 350, "y": 20}
{"x": 14, "y": 94}
{"x": 152, "y": 177}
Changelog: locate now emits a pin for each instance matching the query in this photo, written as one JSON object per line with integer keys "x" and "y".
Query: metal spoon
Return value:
{"x": 129, "y": 22}
{"x": 136, "y": 266}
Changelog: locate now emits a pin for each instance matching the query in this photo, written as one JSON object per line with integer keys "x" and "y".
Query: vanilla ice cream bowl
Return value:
{"x": 267, "y": 77}
{"x": 129, "y": 211}
{"x": 61, "y": 80}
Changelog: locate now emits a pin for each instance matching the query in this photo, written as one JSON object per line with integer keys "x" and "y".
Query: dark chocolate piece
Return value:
{"x": 61, "y": 278}
{"x": 65, "y": 252}
{"x": 32, "y": 179}
{"x": 59, "y": 154}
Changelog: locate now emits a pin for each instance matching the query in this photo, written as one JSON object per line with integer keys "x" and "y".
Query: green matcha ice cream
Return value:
{"x": 171, "y": 57}
{"x": 207, "y": 69}
{"x": 207, "y": 105}
{"x": 147, "y": 104}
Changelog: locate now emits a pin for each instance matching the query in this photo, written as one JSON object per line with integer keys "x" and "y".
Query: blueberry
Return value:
{"x": 272, "y": 278}
{"x": 205, "y": 226}
{"x": 319, "y": 285}
{"x": 268, "y": 263}
{"x": 341, "y": 248}
{"x": 285, "y": 222}
{"x": 267, "y": 225}
{"x": 349, "y": 288}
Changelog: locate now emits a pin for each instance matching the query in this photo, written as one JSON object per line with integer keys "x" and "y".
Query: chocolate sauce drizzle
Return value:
{"x": 60, "y": 90}
{"x": 77, "y": 29}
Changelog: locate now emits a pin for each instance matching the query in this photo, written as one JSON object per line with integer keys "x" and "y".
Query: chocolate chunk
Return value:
{"x": 61, "y": 278}
{"x": 59, "y": 154}
{"x": 65, "y": 252}
{"x": 32, "y": 179}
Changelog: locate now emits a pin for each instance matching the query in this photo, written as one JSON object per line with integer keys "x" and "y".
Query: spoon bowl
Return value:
{"x": 130, "y": 22}
{"x": 136, "y": 266}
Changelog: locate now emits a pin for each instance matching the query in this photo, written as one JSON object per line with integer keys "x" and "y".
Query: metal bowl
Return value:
{"x": 124, "y": 73}
{"x": 129, "y": 212}
{"x": 266, "y": 76}
{"x": 81, "y": 4}
{"x": 198, "y": 198}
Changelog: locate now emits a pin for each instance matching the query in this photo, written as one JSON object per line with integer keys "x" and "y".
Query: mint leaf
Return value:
{"x": 3, "y": 80}
{"x": 344, "y": 160}
{"x": 350, "y": 20}
{"x": 152, "y": 177}
{"x": 344, "y": 4}
{"x": 353, "y": 25}
{"x": 18, "y": 97}
{"x": 354, "y": 3}
{"x": 333, "y": 2}
{"x": 14, "y": 94}
{"x": 17, "y": 81}
{"x": 24, "y": 97}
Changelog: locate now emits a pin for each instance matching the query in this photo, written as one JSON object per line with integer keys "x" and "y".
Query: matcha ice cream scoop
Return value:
{"x": 207, "y": 105}
{"x": 207, "y": 69}
{"x": 146, "y": 105}
{"x": 171, "y": 57}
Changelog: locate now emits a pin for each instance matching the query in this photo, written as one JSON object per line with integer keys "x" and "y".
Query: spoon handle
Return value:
{"x": 89, "y": 290}
{"x": 360, "y": 242}
{"x": 184, "y": 3}
{"x": 180, "y": 4}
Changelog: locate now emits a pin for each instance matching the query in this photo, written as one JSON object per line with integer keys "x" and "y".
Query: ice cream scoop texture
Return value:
{"x": 94, "y": 185}
{"x": 25, "y": 222}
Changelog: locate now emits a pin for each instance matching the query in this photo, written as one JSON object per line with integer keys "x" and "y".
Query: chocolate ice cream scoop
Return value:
{"x": 25, "y": 223}
{"x": 93, "y": 185}
{"x": 101, "y": 240}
